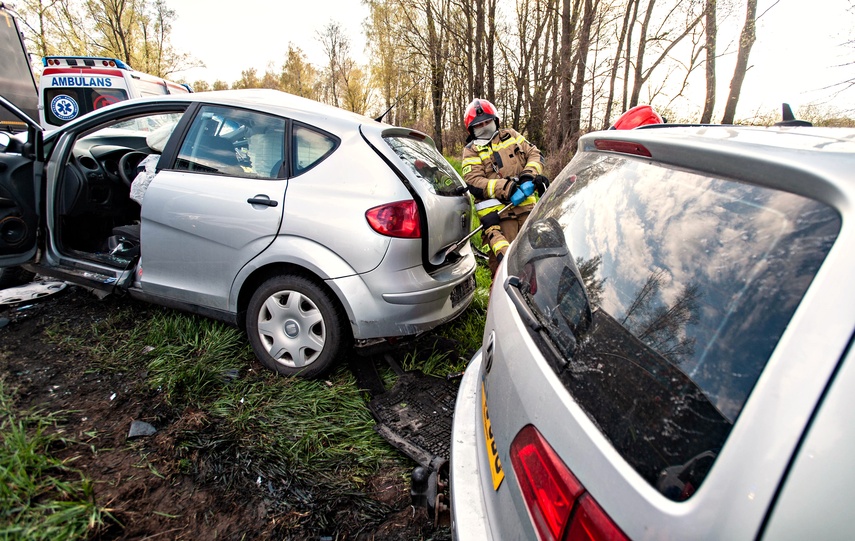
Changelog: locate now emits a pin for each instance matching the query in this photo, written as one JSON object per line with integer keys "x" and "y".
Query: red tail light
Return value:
{"x": 557, "y": 503}
{"x": 400, "y": 219}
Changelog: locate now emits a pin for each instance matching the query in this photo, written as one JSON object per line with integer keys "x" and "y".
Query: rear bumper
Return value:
{"x": 383, "y": 304}
{"x": 468, "y": 508}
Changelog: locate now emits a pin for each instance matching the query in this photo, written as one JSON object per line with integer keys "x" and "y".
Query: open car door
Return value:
{"x": 21, "y": 164}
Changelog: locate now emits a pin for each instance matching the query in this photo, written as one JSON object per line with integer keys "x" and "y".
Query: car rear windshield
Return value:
{"x": 428, "y": 164}
{"x": 661, "y": 294}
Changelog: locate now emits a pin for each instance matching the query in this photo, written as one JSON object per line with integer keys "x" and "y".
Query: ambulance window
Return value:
{"x": 234, "y": 142}
{"x": 310, "y": 147}
{"x": 64, "y": 104}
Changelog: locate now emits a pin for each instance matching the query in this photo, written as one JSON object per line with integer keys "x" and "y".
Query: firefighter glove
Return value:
{"x": 522, "y": 192}
{"x": 508, "y": 187}
{"x": 491, "y": 219}
{"x": 541, "y": 183}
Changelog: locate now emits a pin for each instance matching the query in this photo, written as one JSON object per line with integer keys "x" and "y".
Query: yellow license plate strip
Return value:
{"x": 496, "y": 471}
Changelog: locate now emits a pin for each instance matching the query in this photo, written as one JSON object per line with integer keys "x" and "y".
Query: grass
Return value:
{"x": 41, "y": 497}
{"x": 308, "y": 444}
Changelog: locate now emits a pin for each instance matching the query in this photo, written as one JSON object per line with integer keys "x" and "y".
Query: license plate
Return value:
{"x": 496, "y": 471}
{"x": 462, "y": 291}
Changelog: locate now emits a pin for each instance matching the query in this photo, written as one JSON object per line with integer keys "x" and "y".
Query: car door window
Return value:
{"x": 234, "y": 142}
{"x": 310, "y": 147}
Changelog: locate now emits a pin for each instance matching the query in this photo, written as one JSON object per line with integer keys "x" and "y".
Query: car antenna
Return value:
{"x": 789, "y": 119}
{"x": 399, "y": 98}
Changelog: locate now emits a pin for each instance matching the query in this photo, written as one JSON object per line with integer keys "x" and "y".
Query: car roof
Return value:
{"x": 786, "y": 158}
{"x": 274, "y": 102}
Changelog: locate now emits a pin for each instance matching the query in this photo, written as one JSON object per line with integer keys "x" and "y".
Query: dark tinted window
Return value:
{"x": 662, "y": 295}
{"x": 428, "y": 164}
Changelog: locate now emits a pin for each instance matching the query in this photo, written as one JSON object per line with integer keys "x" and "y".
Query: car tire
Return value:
{"x": 15, "y": 276}
{"x": 295, "y": 327}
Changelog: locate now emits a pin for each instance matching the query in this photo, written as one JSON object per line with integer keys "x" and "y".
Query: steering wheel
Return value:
{"x": 128, "y": 165}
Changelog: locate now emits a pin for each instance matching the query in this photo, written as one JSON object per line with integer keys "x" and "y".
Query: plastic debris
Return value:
{"x": 141, "y": 428}
{"x": 30, "y": 292}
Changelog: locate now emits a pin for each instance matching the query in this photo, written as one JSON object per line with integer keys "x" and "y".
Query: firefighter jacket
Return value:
{"x": 487, "y": 168}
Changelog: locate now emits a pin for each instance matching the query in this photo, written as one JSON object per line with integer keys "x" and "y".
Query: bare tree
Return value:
{"x": 660, "y": 37}
{"x": 746, "y": 41}
{"x": 337, "y": 49}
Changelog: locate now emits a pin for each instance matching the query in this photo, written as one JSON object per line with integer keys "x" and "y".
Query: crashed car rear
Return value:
{"x": 311, "y": 227}
{"x": 668, "y": 347}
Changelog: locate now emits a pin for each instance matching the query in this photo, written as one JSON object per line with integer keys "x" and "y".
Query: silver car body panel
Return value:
{"x": 813, "y": 504}
{"x": 213, "y": 232}
{"x": 734, "y": 500}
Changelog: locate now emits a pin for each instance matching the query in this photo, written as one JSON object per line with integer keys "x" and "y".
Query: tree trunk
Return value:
{"x": 746, "y": 41}
{"x": 711, "y": 35}
{"x": 491, "y": 50}
{"x": 638, "y": 77}
{"x": 569, "y": 18}
{"x": 584, "y": 44}
{"x": 613, "y": 76}
{"x": 478, "y": 83}
{"x": 628, "y": 58}
{"x": 437, "y": 80}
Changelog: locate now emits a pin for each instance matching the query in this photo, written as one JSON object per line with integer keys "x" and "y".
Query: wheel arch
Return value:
{"x": 262, "y": 274}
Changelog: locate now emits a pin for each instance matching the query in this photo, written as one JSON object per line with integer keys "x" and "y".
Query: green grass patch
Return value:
{"x": 308, "y": 445}
{"x": 41, "y": 497}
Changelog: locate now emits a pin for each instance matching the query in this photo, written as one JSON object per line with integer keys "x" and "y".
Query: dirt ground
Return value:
{"x": 140, "y": 480}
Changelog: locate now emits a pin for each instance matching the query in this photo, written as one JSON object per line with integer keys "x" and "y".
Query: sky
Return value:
{"x": 797, "y": 54}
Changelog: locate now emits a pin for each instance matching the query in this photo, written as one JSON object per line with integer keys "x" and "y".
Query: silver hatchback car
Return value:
{"x": 668, "y": 347}
{"x": 312, "y": 227}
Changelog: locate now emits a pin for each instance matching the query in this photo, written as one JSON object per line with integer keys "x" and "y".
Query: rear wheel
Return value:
{"x": 15, "y": 276}
{"x": 295, "y": 327}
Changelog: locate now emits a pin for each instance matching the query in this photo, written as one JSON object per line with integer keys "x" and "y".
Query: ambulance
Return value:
{"x": 72, "y": 86}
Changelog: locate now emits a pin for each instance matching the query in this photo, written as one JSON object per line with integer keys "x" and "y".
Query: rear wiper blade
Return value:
{"x": 547, "y": 338}
{"x": 512, "y": 288}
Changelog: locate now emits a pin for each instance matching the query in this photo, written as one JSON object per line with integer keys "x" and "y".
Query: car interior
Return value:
{"x": 97, "y": 216}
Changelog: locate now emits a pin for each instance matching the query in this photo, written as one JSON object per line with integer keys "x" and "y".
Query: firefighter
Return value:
{"x": 500, "y": 167}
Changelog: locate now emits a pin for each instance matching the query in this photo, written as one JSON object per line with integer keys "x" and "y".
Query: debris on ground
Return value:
{"x": 30, "y": 292}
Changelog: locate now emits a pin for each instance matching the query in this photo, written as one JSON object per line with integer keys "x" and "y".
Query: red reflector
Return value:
{"x": 400, "y": 219}
{"x": 624, "y": 147}
{"x": 552, "y": 494}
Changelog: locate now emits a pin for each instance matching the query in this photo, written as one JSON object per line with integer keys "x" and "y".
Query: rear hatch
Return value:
{"x": 439, "y": 191}
{"x": 16, "y": 79}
